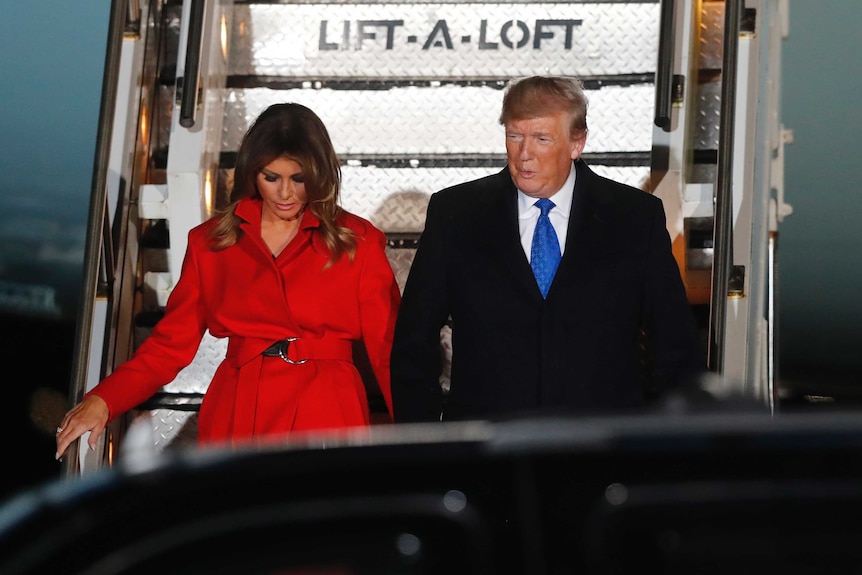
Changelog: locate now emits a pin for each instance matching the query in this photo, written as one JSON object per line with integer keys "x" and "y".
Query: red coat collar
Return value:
{"x": 249, "y": 209}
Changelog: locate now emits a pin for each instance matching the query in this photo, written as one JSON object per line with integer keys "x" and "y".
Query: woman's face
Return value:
{"x": 282, "y": 189}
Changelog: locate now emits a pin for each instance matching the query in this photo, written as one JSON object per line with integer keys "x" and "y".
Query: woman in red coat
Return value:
{"x": 291, "y": 279}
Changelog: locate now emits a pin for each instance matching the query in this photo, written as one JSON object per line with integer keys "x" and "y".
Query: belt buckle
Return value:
{"x": 282, "y": 351}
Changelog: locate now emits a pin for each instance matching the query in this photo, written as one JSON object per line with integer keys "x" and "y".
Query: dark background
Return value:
{"x": 51, "y": 68}
{"x": 37, "y": 353}
{"x": 52, "y": 58}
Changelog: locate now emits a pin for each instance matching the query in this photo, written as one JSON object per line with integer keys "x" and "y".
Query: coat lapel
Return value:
{"x": 502, "y": 235}
{"x": 253, "y": 245}
{"x": 585, "y": 231}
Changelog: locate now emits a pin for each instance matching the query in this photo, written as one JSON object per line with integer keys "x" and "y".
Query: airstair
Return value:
{"x": 684, "y": 104}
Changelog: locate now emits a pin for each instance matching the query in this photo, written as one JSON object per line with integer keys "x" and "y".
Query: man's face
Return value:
{"x": 540, "y": 153}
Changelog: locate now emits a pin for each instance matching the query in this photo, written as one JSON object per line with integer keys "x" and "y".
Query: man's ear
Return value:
{"x": 578, "y": 145}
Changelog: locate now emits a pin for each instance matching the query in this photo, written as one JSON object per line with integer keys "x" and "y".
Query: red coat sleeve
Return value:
{"x": 379, "y": 298}
{"x": 170, "y": 347}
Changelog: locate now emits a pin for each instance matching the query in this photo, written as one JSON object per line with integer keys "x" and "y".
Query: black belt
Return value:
{"x": 279, "y": 349}
{"x": 310, "y": 348}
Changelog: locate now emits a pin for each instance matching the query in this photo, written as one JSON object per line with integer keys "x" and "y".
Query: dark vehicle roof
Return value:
{"x": 663, "y": 493}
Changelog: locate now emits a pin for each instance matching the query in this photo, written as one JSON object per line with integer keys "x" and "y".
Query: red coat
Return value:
{"x": 245, "y": 294}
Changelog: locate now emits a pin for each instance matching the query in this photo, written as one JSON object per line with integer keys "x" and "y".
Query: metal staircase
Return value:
{"x": 411, "y": 92}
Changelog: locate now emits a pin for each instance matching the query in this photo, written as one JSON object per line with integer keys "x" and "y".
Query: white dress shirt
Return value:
{"x": 528, "y": 214}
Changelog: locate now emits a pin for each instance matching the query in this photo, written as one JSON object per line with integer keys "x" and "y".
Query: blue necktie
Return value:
{"x": 545, "y": 251}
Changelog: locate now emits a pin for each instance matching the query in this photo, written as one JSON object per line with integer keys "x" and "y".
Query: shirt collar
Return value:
{"x": 562, "y": 198}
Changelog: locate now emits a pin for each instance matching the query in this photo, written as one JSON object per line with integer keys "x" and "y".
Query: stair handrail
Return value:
{"x": 190, "y": 79}
{"x": 664, "y": 67}
{"x": 723, "y": 220}
{"x": 98, "y": 250}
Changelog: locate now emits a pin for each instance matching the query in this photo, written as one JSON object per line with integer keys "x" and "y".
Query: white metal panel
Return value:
{"x": 441, "y": 41}
{"x": 443, "y": 120}
{"x": 750, "y": 337}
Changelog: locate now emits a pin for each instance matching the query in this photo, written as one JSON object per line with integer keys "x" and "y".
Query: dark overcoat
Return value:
{"x": 617, "y": 294}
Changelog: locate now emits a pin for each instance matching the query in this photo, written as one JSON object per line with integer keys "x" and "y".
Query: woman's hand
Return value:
{"x": 89, "y": 415}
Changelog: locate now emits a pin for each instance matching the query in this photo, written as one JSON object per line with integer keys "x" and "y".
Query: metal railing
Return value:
{"x": 723, "y": 221}
{"x": 99, "y": 259}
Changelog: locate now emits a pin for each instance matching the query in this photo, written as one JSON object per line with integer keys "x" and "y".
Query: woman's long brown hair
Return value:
{"x": 292, "y": 131}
